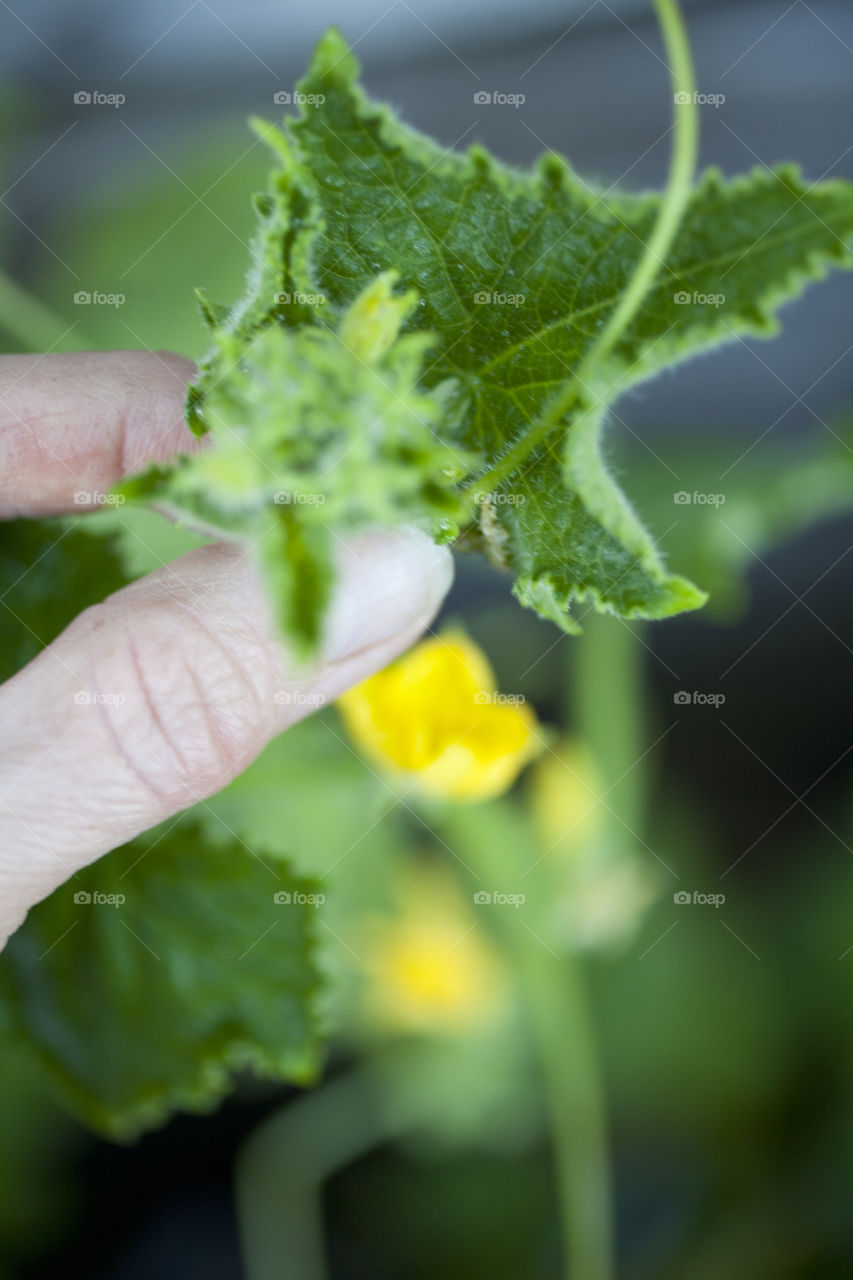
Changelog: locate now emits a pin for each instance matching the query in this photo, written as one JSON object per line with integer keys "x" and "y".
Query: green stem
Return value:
{"x": 606, "y": 708}
{"x": 559, "y": 1009}
{"x": 497, "y": 842}
{"x": 34, "y": 325}
{"x": 673, "y": 204}
{"x": 281, "y": 1171}
{"x": 606, "y": 701}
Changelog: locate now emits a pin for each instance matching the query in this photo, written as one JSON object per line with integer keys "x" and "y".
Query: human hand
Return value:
{"x": 192, "y": 647}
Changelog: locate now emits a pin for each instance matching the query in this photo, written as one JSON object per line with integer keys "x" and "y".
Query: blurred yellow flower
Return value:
{"x": 600, "y": 885}
{"x": 435, "y": 714}
{"x": 429, "y": 969}
{"x": 565, "y": 790}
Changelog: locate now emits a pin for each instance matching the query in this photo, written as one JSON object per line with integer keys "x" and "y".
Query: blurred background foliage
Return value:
{"x": 727, "y": 1036}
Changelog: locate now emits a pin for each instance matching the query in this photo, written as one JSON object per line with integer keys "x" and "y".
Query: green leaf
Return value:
{"x": 490, "y": 413}
{"x": 185, "y": 971}
{"x": 461, "y": 227}
{"x": 607, "y": 557}
{"x": 36, "y": 1141}
{"x": 49, "y": 571}
{"x": 344, "y": 824}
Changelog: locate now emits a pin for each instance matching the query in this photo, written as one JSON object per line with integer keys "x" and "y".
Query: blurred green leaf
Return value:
{"x": 49, "y": 571}
{"x": 36, "y": 1140}
{"x": 186, "y": 970}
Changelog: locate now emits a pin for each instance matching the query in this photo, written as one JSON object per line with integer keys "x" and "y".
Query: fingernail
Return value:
{"x": 390, "y": 582}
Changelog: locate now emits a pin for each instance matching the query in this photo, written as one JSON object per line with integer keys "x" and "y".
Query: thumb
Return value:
{"x": 158, "y": 697}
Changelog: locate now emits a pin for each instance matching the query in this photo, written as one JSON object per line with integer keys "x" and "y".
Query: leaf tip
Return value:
{"x": 681, "y": 596}
{"x": 272, "y": 136}
{"x": 482, "y": 162}
{"x": 333, "y": 61}
{"x": 553, "y": 171}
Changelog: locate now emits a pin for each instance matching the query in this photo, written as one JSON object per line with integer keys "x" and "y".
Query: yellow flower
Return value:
{"x": 565, "y": 796}
{"x": 429, "y": 969}
{"x": 435, "y": 714}
{"x": 600, "y": 886}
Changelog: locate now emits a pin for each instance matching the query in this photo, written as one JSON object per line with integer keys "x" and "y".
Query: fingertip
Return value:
{"x": 393, "y": 582}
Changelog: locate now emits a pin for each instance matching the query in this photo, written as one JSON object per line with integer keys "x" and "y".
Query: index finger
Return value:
{"x": 74, "y": 424}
